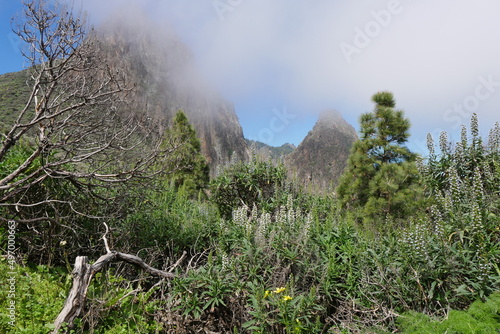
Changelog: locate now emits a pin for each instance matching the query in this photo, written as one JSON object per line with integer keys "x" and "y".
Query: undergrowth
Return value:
{"x": 292, "y": 264}
{"x": 480, "y": 318}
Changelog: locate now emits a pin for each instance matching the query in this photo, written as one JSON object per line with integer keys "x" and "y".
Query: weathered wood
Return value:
{"x": 82, "y": 277}
{"x": 132, "y": 259}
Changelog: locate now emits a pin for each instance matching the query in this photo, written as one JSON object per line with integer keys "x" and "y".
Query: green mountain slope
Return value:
{"x": 14, "y": 93}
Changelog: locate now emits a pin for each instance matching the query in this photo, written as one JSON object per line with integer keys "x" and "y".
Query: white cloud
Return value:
{"x": 430, "y": 54}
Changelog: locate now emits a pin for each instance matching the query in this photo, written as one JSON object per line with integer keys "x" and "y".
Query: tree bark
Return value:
{"x": 83, "y": 273}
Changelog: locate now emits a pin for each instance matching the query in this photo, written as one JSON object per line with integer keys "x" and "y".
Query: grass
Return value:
{"x": 480, "y": 318}
{"x": 14, "y": 93}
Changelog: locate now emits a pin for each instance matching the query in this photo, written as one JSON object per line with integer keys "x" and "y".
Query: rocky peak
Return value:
{"x": 321, "y": 157}
{"x": 163, "y": 71}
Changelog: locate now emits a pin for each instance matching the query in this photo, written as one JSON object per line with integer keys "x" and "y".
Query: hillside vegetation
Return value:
{"x": 283, "y": 261}
{"x": 14, "y": 93}
{"x": 111, "y": 224}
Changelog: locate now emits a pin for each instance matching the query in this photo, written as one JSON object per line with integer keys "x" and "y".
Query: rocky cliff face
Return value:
{"x": 161, "y": 69}
{"x": 321, "y": 157}
{"x": 163, "y": 72}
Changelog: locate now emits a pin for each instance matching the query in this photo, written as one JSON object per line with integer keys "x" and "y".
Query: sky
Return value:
{"x": 282, "y": 62}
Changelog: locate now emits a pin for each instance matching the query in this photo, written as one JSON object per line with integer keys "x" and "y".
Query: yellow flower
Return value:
{"x": 286, "y": 298}
{"x": 279, "y": 290}
{"x": 267, "y": 293}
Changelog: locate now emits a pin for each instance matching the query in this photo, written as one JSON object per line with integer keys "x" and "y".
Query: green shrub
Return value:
{"x": 39, "y": 296}
{"x": 116, "y": 305}
{"x": 169, "y": 221}
{"x": 480, "y": 318}
{"x": 256, "y": 183}
{"x": 308, "y": 262}
{"x": 113, "y": 306}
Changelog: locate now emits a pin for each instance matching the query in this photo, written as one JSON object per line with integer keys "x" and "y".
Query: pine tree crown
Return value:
{"x": 384, "y": 99}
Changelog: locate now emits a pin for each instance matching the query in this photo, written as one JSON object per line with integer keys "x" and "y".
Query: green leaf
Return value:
{"x": 250, "y": 325}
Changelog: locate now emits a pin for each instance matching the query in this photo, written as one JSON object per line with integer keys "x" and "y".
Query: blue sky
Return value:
{"x": 11, "y": 59}
{"x": 282, "y": 62}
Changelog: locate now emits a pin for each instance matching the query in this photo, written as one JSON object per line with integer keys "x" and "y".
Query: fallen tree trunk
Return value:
{"x": 83, "y": 273}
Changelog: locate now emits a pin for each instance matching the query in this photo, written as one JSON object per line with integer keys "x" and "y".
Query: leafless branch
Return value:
{"x": 105, "y": 239}
{"x": 83, "y": 273}
{"x": 78, "y": 119}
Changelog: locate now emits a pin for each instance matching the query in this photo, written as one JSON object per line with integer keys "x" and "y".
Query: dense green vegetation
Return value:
{"x": 13, "y": 93}
{"x": 257, "y": 183}
{"x": 263, "y": 256}
{"x": 188, "y": 167}
{"x": 481, "y": 317}
{"x": 381, "y": 179}
{"x": 407, "y": 245}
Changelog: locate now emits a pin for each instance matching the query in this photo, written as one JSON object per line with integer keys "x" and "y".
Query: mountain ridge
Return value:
{"x": 167, "y": 80}
{"x": 163, "y": 72}
{"x": 321, "y": 157}
{"x": 270, "y": 152}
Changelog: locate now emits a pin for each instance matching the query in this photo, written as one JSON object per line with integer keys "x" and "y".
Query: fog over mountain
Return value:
{"x": 439, "y": 59}
{"x": 161, "y": 68}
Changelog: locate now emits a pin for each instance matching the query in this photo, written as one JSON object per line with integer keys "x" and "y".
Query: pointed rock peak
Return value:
{"x": 333, "y": 119}
{"x": 322, "y": 156}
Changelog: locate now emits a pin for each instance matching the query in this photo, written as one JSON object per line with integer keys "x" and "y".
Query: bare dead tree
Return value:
{"x": 81, "y": 144}
{"x": 77, "y": 120}
{"x": 83, "y": 272}
{"x": 76, "y": 140}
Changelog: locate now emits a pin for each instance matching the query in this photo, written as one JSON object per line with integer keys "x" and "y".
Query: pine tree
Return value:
{"x": 380, "y": 180}
{"x": 191, "y": 168}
